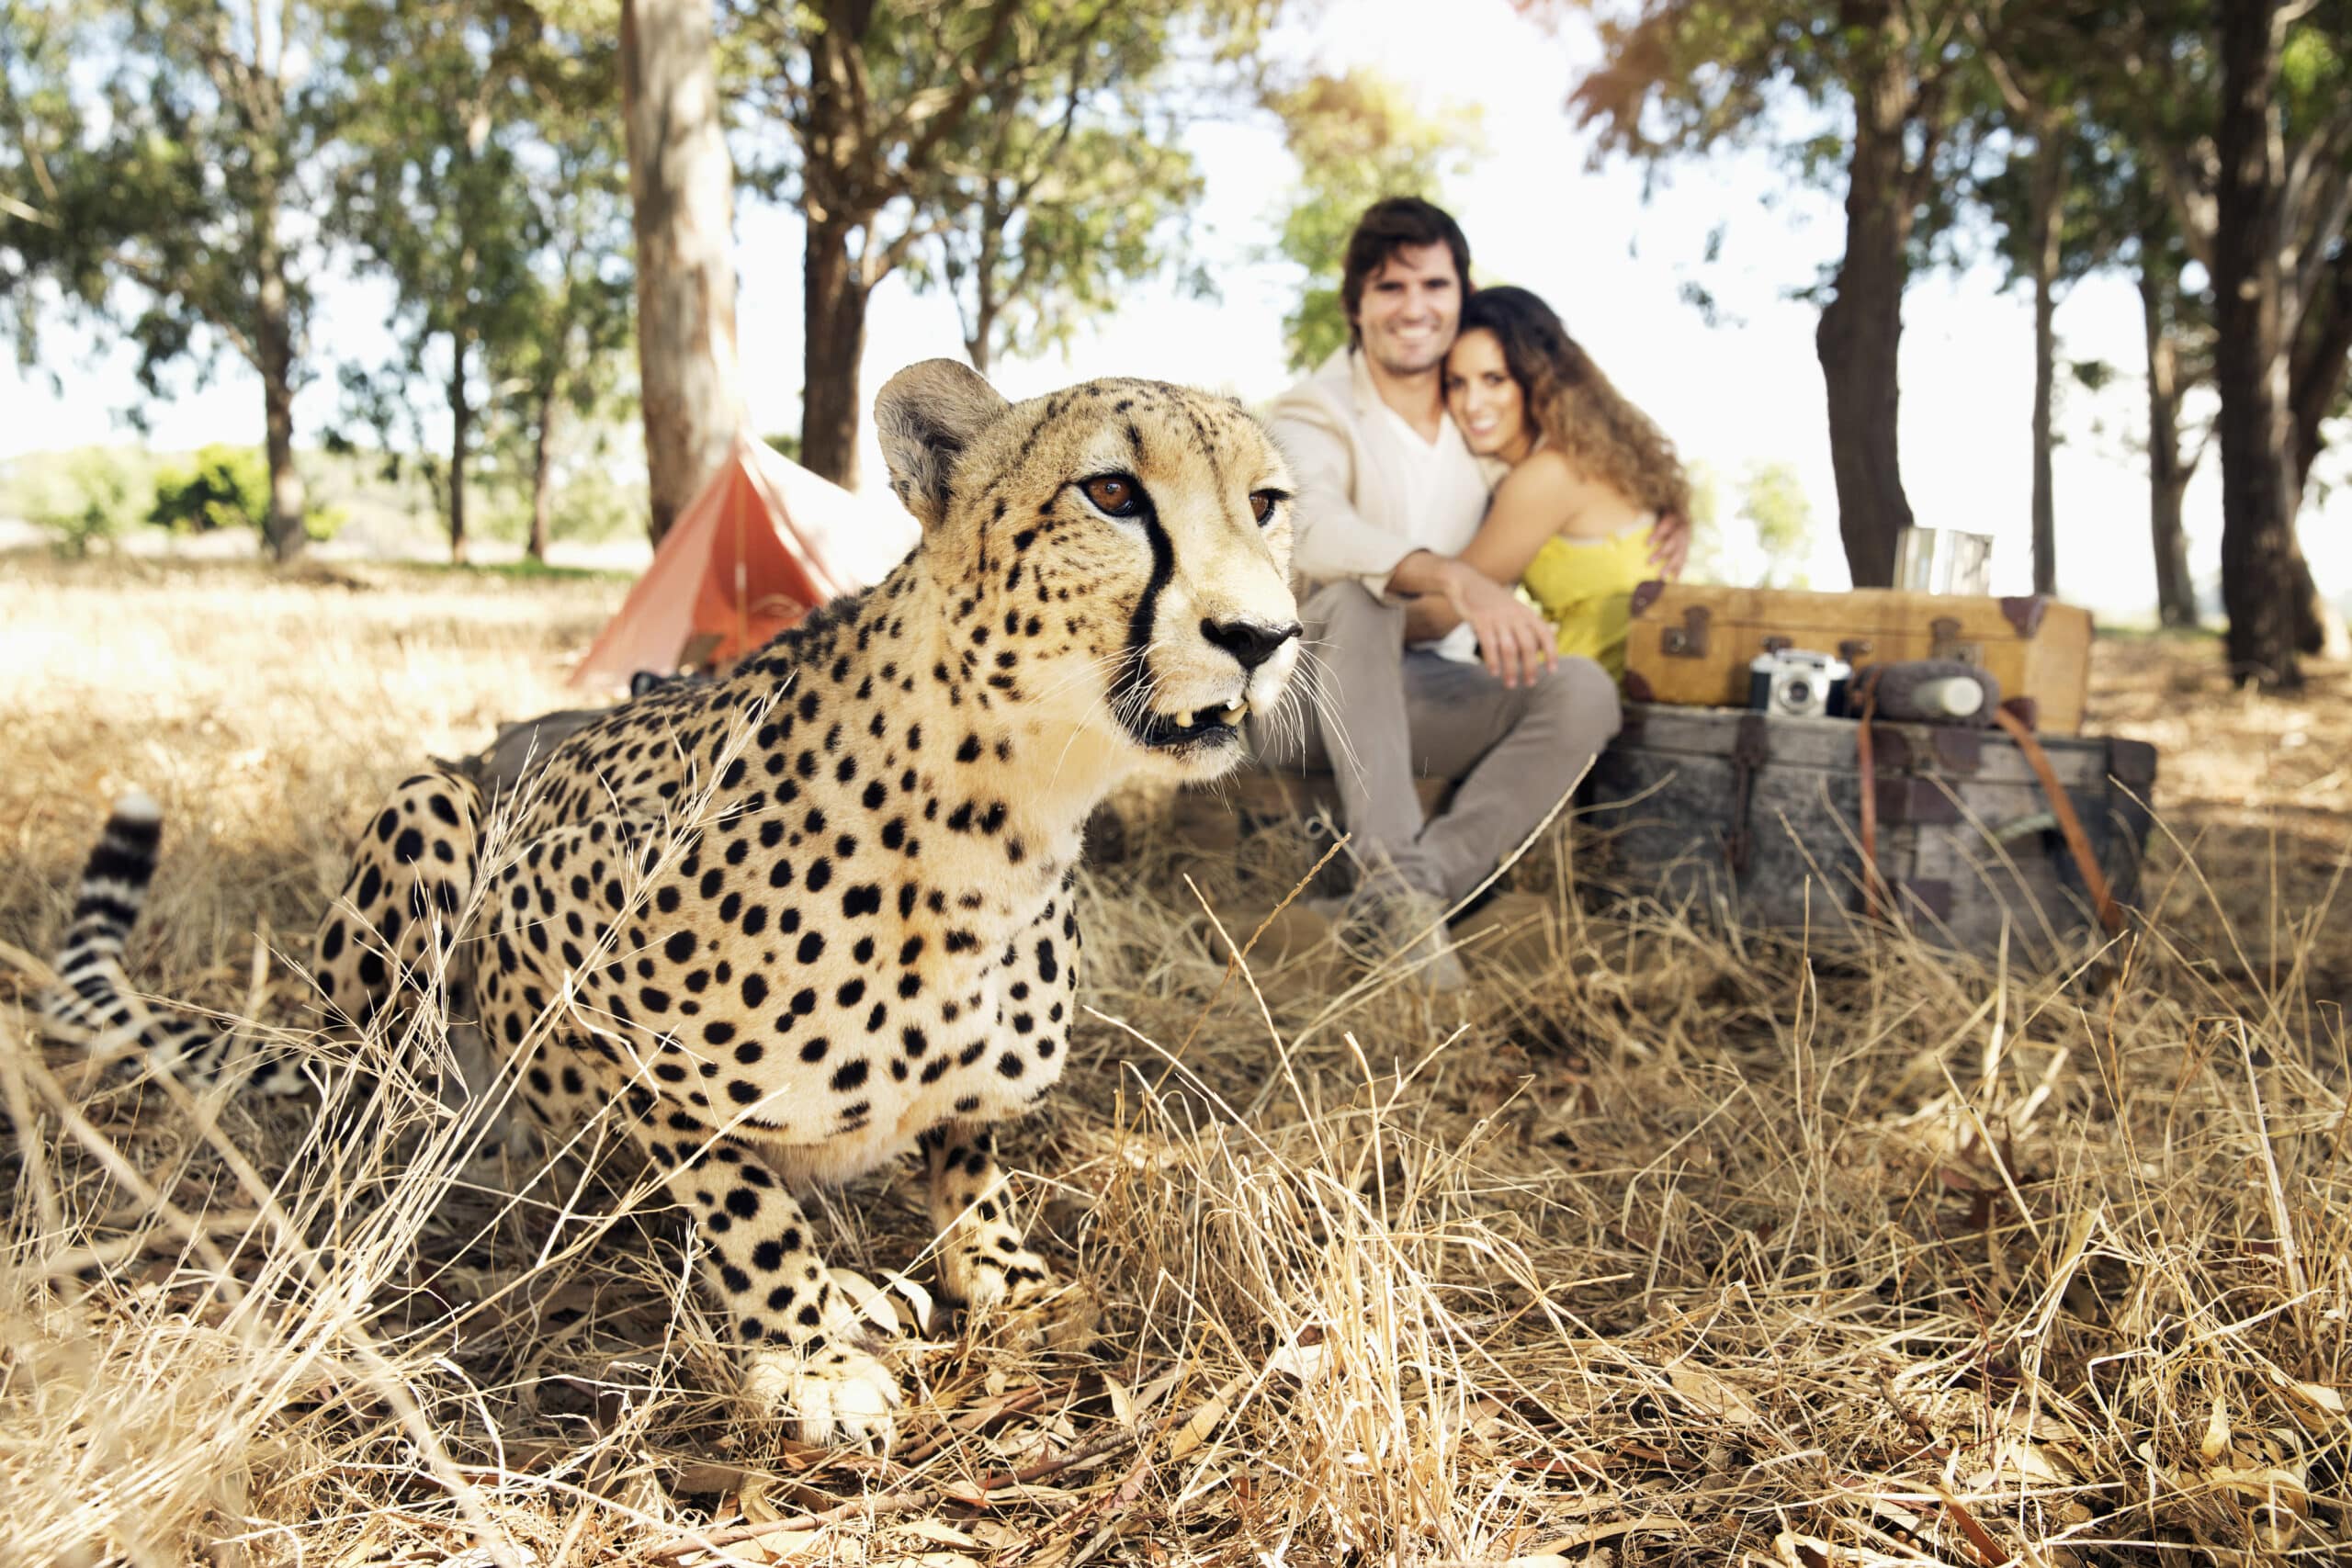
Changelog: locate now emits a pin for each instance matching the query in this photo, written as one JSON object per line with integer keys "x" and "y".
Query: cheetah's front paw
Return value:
{"x": 989, "y": 1270}
{"x": 830, "y": 1396}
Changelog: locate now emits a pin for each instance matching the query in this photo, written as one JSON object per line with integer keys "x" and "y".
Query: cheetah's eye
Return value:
{"x": 1262, "y": 504}
{"x": 1114, "y": 495}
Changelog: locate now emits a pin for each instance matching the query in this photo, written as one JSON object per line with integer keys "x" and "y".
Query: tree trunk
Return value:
{"x": 2047, "y": 238}
{"x": 681, "y": 191}
{"x": 1861, "y": 330}
{"x": 543, "y": 476}
{"x": 2321, "y": 362}
{"x": 274, "y": 350}
{"x": 2167, "y": 475}
{"x": 975, "y": 346}
{"x": 833, "y": 299}
{"x": 985, "y": 300}
{"x": 461, "y": 423}
{"x": 2250, "y": 365}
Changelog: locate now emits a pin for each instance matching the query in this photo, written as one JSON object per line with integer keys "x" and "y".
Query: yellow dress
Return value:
{"x": 1585, "y": 588}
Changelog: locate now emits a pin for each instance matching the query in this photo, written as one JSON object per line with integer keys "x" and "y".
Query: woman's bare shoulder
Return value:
{"x": 1542, "y": 472}
{"x": 1547, "y": 477}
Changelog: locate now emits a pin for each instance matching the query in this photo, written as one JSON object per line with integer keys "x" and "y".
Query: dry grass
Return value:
{"x": 1676, "y": 1250}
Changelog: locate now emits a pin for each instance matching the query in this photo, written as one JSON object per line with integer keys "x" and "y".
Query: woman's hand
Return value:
{"x": 1516, "y": 643}
{"x": 1670, "y": 543}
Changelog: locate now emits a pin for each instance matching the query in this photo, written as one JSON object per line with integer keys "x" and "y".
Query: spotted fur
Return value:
{"x": 783, "y": 924}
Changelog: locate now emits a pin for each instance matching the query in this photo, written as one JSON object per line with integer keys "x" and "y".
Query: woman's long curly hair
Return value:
{"x": 1572, "y": 404}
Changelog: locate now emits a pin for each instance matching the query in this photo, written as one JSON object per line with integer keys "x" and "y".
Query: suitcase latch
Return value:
{"x": 1943, "y": 634}
{"x": 1688, "y": 640}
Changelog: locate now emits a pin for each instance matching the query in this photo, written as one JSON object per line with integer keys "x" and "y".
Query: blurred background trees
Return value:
{"x": 1023, "y": 154}
{"x": 545, "y": 193}
{"x": 2205, "y": 145}
{"x": 1358, "y": 137}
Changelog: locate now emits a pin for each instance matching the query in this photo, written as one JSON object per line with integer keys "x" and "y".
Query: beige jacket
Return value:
{"x": 1351, "y": 489}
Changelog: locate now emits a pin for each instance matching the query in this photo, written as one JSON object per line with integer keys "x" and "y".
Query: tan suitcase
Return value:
{"x": 1690, "y": 646}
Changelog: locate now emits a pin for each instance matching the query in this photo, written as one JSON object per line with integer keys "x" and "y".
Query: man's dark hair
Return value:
{"x": 1387, "y": 226}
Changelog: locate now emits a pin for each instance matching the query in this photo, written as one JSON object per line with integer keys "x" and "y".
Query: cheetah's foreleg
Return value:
{"x": 982, "y": 1261}
{"x": 800, "y": 1337}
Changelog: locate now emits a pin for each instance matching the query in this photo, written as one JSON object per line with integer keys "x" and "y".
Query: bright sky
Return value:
{"x": 1747, "y": 390}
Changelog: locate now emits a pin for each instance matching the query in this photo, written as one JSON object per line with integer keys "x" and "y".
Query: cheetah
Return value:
{"x": 784, "y": 924}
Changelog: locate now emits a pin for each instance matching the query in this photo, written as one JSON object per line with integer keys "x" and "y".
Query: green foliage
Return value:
{"x": 223, "y": 487}
{"x": 482, "y": 174}
{"x": 171, "y": 148}
{"x": 1357, "y": 136}
{"x": 1054, "y": 236}
{"x": 96, "y": 498}
{"x": 1690, "y": 78}
{"x": 1772, "y": 502}
{"x": 1770, "y": 541}
{"x": 1022, "y": 156}
{"x": 787, "y": 442}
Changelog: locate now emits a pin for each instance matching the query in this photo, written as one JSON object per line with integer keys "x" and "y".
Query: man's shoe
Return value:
{"x": 1298, "y": 956}
{"x": 1388, "y": 921}
{"x": 1516, "y": 934}
{"x": 1299, "y": 927}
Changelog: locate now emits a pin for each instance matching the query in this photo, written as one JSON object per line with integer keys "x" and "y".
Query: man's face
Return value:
{"x": 1409, "y": 309}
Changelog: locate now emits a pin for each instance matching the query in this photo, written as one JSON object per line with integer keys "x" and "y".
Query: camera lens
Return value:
{"x": 1797, "y": 692}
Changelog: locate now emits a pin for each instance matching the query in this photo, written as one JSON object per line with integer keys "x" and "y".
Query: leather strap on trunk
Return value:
{"x": 1866, "y": 759}
{"x": 2070, "y": 825}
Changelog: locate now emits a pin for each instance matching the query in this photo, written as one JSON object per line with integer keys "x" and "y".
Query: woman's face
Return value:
{"x": 1486, "y": 402}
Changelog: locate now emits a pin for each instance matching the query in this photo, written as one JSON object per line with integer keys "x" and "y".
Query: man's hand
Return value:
{"x": 1517, "y": 644}
{"x": 1670, "y": 543}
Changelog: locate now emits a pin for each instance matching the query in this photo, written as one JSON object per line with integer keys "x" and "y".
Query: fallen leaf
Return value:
{"x": 2269, "y": 1484}
{"x": 1710, "y": 1395}
{"x": 2319, "y": 1395}
{"x": 2216, "y": 1440}
{"x": 933, "y": 1531}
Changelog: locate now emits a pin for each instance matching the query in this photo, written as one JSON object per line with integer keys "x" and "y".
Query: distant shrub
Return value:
{"x": 94, "y": 499}
{"x": 226, "y": 487}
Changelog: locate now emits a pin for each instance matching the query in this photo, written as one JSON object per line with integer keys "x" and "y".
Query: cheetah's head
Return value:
{"x": 1118, "y": 551}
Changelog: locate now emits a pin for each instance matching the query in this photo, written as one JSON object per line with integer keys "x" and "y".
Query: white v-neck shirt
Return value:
{"x": 1444, "y": 503}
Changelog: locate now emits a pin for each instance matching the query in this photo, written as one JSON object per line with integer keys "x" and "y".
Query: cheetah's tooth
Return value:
{"x": 1235, "y": 712}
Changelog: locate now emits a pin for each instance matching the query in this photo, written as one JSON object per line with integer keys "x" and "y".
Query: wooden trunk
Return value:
{"x": 1692, "y": 646}
{"x": 1755, "y": 820}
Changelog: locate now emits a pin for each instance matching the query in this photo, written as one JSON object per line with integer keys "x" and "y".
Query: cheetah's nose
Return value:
{"x": 1250, "y": 642}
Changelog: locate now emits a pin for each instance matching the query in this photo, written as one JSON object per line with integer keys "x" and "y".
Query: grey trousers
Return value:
{"x": 1378, "y": 715}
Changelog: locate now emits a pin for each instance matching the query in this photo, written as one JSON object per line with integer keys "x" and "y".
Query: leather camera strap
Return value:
{"x": 1866, "y": 760}
{"x": 2061, "y": 807}
{"x": 2077, "y": 842}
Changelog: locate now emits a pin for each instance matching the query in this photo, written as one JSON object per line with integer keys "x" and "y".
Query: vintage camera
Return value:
{"x": 1798, "y": 684}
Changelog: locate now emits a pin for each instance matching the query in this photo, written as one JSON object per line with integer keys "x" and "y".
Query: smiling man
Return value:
{"x": 1389, "y": 497}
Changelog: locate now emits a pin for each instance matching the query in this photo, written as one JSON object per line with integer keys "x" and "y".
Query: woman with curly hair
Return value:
{"x": 1588, "y": 474}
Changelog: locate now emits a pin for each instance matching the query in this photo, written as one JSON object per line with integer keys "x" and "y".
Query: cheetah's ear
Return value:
{"x": 925, "y": 416}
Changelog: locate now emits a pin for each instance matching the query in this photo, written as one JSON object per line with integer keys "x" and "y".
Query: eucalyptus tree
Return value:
{"x": 910, "y": 124}
{"x": 682, "y": 199}
{"x": 170, "y": 163}
{"x": 1358, "y": 137}
{"x": 1045, "y": 220}
{"x": 480, "y": 171}
{"x": 2244, "y": 110}
{"x": 1685, "y": 77}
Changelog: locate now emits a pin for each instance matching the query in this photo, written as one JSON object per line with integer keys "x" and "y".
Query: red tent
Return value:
{"x": 765, "y": 543}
